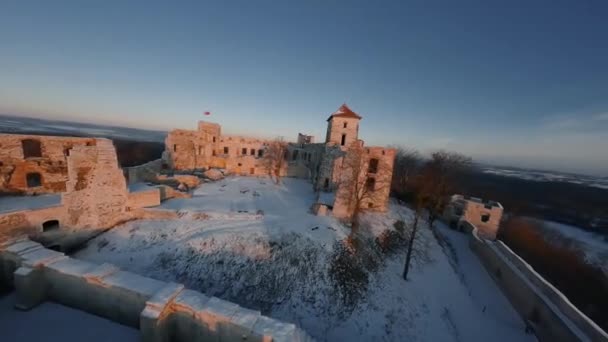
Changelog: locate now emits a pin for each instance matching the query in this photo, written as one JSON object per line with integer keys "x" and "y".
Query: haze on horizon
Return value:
{"x": 513, "y": 83}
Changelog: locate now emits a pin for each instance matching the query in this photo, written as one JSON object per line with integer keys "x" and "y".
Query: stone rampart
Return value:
{"x": 552, "y": 316}
{"x": 162, "y": 311}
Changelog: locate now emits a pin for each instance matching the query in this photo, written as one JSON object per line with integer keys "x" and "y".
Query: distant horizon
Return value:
{"x": 293, "y": 139}
{"x": 519, "y": 82}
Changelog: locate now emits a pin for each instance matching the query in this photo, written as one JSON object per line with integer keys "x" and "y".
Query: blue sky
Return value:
{"x": 521, "y": 83}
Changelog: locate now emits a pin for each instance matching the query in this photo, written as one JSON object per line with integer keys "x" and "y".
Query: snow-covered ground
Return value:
{"x": 261, "y": 248}
{"x": 594, "y": 246}
{"x": 51, "y": 322}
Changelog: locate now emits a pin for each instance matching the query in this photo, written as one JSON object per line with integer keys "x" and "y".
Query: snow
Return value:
{"x": 52, "y": 322}
{"x": 16, "y": 203}
{"x": 262, "y": 249}
{"x": 594, "y": 246}
{"x": 545, "y": 176}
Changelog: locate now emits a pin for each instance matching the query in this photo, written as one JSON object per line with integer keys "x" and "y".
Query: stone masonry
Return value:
{"x": 97, "y": 192}
{"x": 31, "y": 164}
{"x": 485, "y": 215}
{"x": 322, "y": 163}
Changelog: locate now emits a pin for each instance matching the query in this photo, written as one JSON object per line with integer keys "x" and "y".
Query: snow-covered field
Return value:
{"x": 593, "y": 246}
{"x": 548, "y": 176}
{"x": 261, "y": 248}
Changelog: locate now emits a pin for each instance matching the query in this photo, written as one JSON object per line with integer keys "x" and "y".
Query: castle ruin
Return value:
{"x": 357, "y": 175}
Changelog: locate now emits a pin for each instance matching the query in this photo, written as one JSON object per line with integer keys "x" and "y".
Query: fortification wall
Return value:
{"x": 96, "y": 195}
{"x": 43, "y": 158}
{"x": 162, "y": 311}
{"x": 143, "y": 199}
{"x": 27, "y": 222}
{"x": 144, "y": 172}
{"x": 546, "y": 309}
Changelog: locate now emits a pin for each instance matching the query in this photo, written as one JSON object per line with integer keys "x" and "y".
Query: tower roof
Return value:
{"x": 344, "y": 112}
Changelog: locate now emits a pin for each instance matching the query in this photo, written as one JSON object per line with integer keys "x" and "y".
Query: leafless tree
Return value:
{"x": 407, "y": 164}
{"x": 439, "y": 179}
{"x": 433, "y": 183}
{"x": 362, "y": 177}
{"x": 275, "y": 158}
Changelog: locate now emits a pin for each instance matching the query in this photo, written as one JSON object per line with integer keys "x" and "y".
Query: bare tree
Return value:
{"x": 362, "y": 178}
{"x": 433, "y": 183}
{"x": 439, "y": 179}
{"x": 407, "y": 165}
{"x": 275, "y": 158}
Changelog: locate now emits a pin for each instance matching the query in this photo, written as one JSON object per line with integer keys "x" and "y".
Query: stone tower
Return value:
{"x": 343, "y": 127}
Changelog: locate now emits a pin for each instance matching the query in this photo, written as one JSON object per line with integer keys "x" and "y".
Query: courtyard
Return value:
{"x": 258, "y": 245}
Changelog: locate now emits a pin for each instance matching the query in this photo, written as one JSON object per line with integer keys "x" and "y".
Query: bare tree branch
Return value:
{"x": 362, "y": 180}
{"x": 275, "y": 158}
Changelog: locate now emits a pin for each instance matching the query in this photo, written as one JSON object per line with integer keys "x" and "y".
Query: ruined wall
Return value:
{"x": 45, "y": 156}
{"x": 185, "y": 150}
{"x": 473, "y": 213}
{"x": 545, "y": 308}
{"x": 96, "y": 195}
{"x": 144, "y": 198}
{"x": 305, "y": 139}
{"x": 144, "y": 172}
{"x": 162, "y": 311}
{"x": 461, "y": 209}
{"x": 374, "y": 198}
{"x": 27, "y": 222}
{"x": 206, "y": 148}
{"x": 320, "y": 160}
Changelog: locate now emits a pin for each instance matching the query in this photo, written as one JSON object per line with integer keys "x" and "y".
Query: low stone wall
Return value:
{"x": 545, "y": 309}
{"x": 144, "y": 198}
{"x": 144, "y": 172}
{"x": 162, "y": 311}
{"x": 24, "y": 222}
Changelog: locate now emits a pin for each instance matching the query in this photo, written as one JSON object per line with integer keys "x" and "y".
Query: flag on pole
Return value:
{"x": 207, "y": 113}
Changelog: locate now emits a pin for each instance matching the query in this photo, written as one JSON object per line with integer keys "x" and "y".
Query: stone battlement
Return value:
{"x": 161, "y": 311}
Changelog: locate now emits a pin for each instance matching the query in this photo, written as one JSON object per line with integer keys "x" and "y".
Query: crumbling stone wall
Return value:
{"x": 96, "y": 195}
{"x": 321, "y": 160}
{"x": 39, "y": 167}
{"x": 321, "y": 163}
{"x": 143, "y": 199}
{"x": 143, "y": 173}
{"x": 372, "y": 200}
{"x": 207, "y": 148}
{"x": 484, "y": 215}
{"x": 27, "y": 222}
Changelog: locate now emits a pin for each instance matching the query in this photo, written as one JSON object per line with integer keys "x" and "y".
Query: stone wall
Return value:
{"x": 162, "y": 311}
{"x": 207, "y": 148}
{"x": 44, "y": 156}
{"x": 144, "y": 198}
{"x": 27, "y": 222}
{"x": 145, "y": 172}
{"x": 545, "y": 308}
{"x": 96, "y": 195}
{"x": 376, "y": 165}
{"x": 484, "y": 215}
